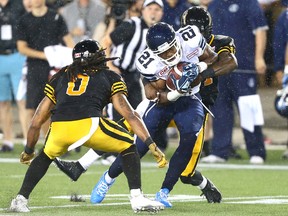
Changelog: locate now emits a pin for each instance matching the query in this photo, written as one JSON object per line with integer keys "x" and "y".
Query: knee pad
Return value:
{"x": 131, "y": 149}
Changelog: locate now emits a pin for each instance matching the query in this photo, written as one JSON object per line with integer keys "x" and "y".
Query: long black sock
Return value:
{"x": 35, "y": 172}
{"x": 131, "y": 167}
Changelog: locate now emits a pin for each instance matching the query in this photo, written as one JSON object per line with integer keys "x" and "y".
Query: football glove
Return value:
{"x": 158, "y": 155}
{"x": 189, "y": 74}
{"x": 26, "y": 158}
{"x": 190, "y": 71}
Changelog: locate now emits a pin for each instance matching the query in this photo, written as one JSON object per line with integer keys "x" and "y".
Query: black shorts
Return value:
{"x": 37, "y": 78}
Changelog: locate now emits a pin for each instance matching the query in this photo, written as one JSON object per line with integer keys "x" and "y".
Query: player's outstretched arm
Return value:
{"x": 40, "y": 117}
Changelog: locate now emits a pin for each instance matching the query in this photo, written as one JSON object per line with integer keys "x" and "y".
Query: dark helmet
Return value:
{"x": 161, "y": 37}
{"x": 199, "y": 17}
{"x": 281, "y": 102}
{"x": 86, "y": 49}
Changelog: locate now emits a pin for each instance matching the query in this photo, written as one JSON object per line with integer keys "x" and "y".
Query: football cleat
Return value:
{"x": 19, "y": 204}
{"x": 100, "y": 190}
{"x": 6, "y": 148}
{"x": 212, "y": 159}
{"x": 72, "y": 169}
{"x": 141, "y": 203}
{"x": 162, "y": 197}
{"x": 211, "y": 193}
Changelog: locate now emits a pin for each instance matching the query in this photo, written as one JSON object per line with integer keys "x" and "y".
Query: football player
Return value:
{"x": 76, "y": 96}
{"x": 167, "y": 48}
{"x": 225, "y": 63}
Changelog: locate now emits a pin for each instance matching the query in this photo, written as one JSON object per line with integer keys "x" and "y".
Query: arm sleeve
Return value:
{"x": 122, "y": 33}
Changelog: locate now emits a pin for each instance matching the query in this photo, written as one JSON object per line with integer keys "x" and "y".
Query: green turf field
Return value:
{"x": 246, "y": 189}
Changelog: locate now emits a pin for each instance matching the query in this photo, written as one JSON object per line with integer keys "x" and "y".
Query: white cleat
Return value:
{"x": 256, "y": 160}
{"x": 19, "y": 204}
{"x": 212, "y": 159}
{"x": 141, "y": 203}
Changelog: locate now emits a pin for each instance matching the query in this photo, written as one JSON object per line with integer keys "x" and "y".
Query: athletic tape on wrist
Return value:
{"x": 173, "y": 95}
{"x": 28, "y": 150}
{"x": 148, "y": 141}
{"x": 202, "y": 66}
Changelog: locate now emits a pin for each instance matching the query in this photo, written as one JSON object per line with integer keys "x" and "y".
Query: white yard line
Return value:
{"x": 200, "y": 165}
{"x": 174, "y": 198}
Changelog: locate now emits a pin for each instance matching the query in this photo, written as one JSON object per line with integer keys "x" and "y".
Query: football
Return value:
{"x": 176, "y": 71}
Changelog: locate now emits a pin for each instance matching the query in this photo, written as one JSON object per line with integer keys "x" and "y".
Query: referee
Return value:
{"x": 127, "y": 41}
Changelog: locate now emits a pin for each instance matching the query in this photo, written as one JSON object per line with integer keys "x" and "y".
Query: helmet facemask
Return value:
{"x": 175, "y": 58}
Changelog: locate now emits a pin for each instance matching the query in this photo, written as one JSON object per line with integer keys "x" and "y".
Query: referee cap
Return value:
{"x": 148, "y": 2}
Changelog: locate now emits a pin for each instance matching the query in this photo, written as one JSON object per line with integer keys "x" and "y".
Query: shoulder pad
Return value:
{"x": 222, "y": 42}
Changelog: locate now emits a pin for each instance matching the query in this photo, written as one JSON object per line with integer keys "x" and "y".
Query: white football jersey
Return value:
{"x": 192, "y": 44}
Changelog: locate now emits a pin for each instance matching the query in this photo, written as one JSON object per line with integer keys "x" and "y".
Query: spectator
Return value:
{"x": 280, "y": 42}
{"x": 240, "y": 86}
{"x": 38, "y": 29}
{"x": 10, "y": 70}
{"x": 173, "y": 10}
{"x": 280, "y": 47}
{"x": 82, "y": 17}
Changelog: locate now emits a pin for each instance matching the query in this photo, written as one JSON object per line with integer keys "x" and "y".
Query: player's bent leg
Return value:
{"x": 72, "y": 169}
{"x": 34, "y": 174}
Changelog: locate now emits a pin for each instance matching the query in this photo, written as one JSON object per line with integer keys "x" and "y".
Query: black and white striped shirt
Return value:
{"x": 129, "y": 40}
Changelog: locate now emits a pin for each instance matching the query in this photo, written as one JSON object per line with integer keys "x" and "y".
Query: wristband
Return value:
{"x": 202, "y": 66}
{"x": 148, "y": 141}
{"x": 286, "y": 69}
{"x": 173, "y": 95}
{"x": 208, "y": 73}
{"x": 28, "y": 150}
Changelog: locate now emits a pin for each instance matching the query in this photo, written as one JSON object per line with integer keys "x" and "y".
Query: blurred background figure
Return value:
{"x": 280, "y": 46}
{"x": 32, "y": 37}
{"x": 82, "y": 17}
{"x": 173, "y": 10}
{"x": 239, "y": 87}
{"x": 11, "y": 62}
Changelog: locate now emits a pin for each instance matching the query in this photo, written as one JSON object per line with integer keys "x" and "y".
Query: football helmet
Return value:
{"x": 160, "y": 38}
{"x": 281, "y": 102}
{"x": 86, "y": 49}
{"x": 199, "y": 17}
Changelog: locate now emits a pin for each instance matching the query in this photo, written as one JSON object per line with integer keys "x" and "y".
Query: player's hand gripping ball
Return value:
{"x": 175, "y": 75}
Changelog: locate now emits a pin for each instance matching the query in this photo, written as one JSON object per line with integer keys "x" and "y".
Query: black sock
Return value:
{"x": 206, "y": 148}
{"x": 195, "y": 179}
{"x": 35, "y": 172}
{"x": 131, "y": 167}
